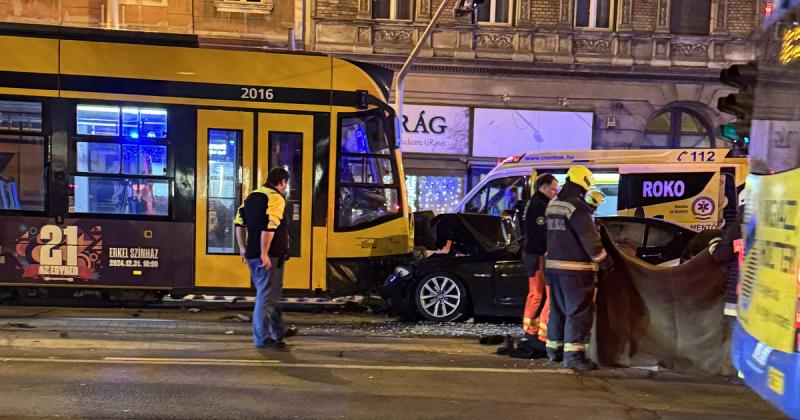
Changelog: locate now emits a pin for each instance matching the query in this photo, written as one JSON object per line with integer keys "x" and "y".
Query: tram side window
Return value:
{"x": 368, "y": 188}
{"x": 22, "y": 156}
{"x": 121, "y": 161}
{"x": 224, "y": 166}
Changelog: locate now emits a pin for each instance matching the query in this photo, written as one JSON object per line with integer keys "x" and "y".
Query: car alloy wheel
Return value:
{"x": 440, "y": 298}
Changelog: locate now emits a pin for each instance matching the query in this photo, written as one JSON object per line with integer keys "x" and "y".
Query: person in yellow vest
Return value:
{"x": 263, "y": 239}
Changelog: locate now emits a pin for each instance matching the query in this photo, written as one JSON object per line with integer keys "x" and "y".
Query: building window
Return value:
{"x": 495, "y": 11}
{"x": 391, "y": 9}
{"x": 690, "y": 17}
{"x": 594, "y": 14}
{"x": 678, "y": 128}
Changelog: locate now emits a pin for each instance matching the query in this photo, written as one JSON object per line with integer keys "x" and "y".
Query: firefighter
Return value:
{"x": 574, "y": 254}
{"x": 594, "y": 198}
{"x": 535, "y": 246}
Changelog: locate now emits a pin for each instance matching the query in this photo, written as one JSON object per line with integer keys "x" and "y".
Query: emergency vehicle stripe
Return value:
{"x": 568, "y": 347}
{"x": 554, "y": 344}
{"x": 600, "y": 256}
{"x": 571, "y": 265}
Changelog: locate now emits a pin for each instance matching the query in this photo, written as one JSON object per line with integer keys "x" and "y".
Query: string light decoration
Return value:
{"x": 437, "y": 193}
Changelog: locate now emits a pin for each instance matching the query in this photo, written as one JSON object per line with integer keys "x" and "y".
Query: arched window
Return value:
{"x": 678, "y": 128}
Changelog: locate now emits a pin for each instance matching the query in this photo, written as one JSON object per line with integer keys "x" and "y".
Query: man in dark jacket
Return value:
{"x": 534, "y": 248}
{"x": 574, "y": 255}
{"x": 263, "y": 248}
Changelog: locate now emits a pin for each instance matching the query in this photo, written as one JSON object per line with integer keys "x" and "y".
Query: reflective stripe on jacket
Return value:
{"x": 573, "y": 243}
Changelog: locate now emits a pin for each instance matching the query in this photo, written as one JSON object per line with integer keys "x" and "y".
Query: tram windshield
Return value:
{"x": 368, "y": 187}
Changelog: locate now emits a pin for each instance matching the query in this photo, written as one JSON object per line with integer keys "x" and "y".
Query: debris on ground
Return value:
{"x": 193, "y": 310}
{"x": 237, "y": 317}
{"x": 229, "y": 332}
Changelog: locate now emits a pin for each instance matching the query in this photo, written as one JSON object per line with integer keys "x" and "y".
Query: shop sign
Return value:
{"x": 505, "y": 132}
{"x": 435, "y": 129}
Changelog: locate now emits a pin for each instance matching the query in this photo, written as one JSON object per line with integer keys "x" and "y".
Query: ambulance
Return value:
{"x": 695, "y": 188}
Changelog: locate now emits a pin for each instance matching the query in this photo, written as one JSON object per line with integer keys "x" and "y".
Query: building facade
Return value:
{"x": 534, "y": 74}
{"x": 527, "y": 75}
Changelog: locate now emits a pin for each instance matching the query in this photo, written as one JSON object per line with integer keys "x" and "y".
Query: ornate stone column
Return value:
{"x": 662, "y": 16}
{"x": 364, "y": 9}
{"x": 625, "y": 22}
{"x": 565, "y": 14}
{"x": 624, "y": 35}
{"x": 719, "y": 17}
{"x": 524, "y": 12}
{"x": 423, "y": 10}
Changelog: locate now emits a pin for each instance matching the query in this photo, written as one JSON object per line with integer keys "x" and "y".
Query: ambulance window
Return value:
{"x": 498, "y": 195}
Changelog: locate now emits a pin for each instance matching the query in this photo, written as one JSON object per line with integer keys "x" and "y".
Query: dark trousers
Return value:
{"x": 571, "y": 312}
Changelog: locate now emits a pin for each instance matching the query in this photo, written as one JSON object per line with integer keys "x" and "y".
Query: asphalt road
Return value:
{"x": 50, "y": 368}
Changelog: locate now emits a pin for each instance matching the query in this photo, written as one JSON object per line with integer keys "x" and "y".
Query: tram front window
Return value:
{"x": 367, "y": 184}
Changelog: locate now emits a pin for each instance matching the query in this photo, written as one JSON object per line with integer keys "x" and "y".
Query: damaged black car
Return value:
{"x": 477, "y": 270}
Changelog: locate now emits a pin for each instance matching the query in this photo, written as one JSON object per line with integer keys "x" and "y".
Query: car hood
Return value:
{"x": 473, "y": 234}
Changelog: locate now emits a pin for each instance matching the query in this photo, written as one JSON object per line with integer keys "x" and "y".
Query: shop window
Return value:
{"x": 678, "y": 128}
{"x": 392, "y": 9}
{"x": 690, "y": 17}
{"x": 224, "y": 186}
{"x": 121, "y": 159}
{"x": 22, "y": 157}
{"x": 367, "y": 185}
{"x": 495, "y": 11}
{"x": 437, "y": 193}
{"x": 594, "y": 14}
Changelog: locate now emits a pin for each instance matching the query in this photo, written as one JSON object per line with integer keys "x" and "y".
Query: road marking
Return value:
{"x": 278, "y": 364}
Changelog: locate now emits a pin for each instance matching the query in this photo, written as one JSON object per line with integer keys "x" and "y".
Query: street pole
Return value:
{"x": 400, "y": 77}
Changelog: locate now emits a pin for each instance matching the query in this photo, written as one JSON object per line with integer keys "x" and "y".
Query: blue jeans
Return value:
{"x": 267, "y": 318}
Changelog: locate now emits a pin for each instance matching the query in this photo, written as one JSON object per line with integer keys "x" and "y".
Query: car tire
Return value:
{"x": 441, "y": 297}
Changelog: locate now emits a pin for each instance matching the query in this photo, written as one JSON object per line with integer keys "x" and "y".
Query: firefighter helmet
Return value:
{"x": 595, "y": 198}
{"x": 582, "y": 176}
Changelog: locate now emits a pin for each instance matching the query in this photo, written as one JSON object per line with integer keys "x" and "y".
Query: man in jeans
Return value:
{"x": 264, "y": 251}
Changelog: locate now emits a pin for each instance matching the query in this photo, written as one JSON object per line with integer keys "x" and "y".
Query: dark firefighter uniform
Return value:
{"x": 575, "y": 254}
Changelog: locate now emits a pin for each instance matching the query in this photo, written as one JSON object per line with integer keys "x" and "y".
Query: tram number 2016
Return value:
{"x": 257, "y": 94}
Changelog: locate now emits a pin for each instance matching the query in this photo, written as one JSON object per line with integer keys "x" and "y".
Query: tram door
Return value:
{"x": 286, "y": 141}
{"x": 232, "y": 157}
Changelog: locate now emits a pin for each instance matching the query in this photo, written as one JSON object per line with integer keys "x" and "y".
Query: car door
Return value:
{"x": 510, "y": 287}
{"x": 660, "y": 244}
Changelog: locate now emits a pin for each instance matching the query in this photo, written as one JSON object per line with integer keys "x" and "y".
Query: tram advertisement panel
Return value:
{"x": 768, "y": 297}
{"x": 86, "y": 252}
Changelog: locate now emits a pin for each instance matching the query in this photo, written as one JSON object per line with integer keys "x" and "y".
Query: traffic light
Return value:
{"x": 740, "y": 105}
{"x": 464, "y": 7}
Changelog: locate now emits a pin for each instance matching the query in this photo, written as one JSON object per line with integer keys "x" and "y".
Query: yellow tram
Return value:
{"x": 123, "y": 157}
